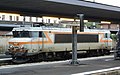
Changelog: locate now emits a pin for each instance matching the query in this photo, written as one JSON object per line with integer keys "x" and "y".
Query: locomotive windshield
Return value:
{"x": 27, "y": 34}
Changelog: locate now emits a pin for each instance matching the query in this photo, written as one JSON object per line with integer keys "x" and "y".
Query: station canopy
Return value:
{"x": 62, "y": 8}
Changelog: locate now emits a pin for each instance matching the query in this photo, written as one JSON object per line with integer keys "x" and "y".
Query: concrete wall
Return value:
{"x": 109, "y": 26}
{"x": 4, "y": 43}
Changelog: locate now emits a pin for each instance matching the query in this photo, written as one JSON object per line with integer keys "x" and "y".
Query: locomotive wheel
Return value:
{"x": 36, "y": 58}
{"x": 19, "y": 60}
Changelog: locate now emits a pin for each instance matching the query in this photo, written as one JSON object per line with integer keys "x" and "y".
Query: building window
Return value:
{"x": 23, "y": 18}
{"x": 48, "y": 20}
{"x": 17, "y": 18}
{"x": 3, "y": 17}
{"x": 14, "y": 18}
{"x": 55, "y": 21}
{"x": 10, "y": 18}
{"x": 30, "y": 19}
{"x": 36, "y": 19}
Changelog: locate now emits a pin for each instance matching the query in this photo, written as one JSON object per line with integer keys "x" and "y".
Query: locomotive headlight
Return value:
{"x": 11, "y": 46}
{"x": 22, "y": 46}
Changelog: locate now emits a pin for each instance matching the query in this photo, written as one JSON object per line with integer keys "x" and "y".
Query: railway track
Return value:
{"x": 8, "y": 61}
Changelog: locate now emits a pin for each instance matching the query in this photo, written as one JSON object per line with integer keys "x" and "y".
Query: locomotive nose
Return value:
{"x": 17, "y": 51}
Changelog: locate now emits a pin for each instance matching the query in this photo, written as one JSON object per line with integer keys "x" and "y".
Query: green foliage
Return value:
{"x": 113, "y": 37}
{"x": 92, "y": 25}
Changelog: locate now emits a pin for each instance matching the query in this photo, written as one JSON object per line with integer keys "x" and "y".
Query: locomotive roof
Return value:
{"x": 56, "y": 29}
{"x": 41, "y": 29}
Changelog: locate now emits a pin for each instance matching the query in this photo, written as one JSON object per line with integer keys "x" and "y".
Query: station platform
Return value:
{"x": 61, "y": 67}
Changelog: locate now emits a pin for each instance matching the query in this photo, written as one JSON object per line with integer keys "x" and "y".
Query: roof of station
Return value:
{"x": 61, "y": 8}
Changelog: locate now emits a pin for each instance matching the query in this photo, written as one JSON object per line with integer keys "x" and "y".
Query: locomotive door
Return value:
{"x": 42, "y": 40}
{"x": 35, "y": 41}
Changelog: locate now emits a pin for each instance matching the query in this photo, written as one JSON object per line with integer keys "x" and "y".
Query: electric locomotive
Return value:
{"x": 42, "y": 43}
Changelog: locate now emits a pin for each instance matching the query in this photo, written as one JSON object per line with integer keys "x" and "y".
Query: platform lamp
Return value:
{"x": 81, "y": 17}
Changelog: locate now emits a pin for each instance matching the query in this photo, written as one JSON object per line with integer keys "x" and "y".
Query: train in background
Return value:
{"x": 42, "y": 43}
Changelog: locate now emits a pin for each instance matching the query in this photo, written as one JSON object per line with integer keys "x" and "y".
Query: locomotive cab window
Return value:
{"x": 15, "y": 34}
{"x": 41, "y": 34}
{"x": 37, "y": 34}
{"x": 28, "y": 34}
{"x": 21, "y": 34}
{"x": 34, "y": 34}
{"x": 25, "y": 34}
